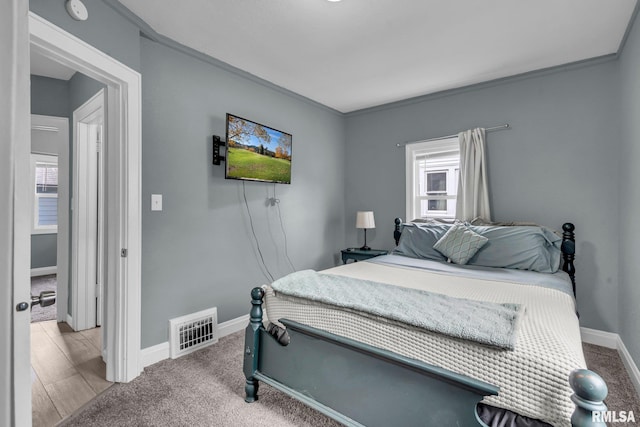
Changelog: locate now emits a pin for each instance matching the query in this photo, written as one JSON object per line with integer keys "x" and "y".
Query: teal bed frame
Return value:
{"x": 360, "y": 385}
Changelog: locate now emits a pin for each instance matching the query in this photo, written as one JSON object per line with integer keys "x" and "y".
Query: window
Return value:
{"x": 44, "y": 172}
{"x": 432, "y": 178}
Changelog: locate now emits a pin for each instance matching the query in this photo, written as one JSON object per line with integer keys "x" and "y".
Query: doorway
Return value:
{"x": 122, "y": 163}
{"x": 122, "y": 199}
{"x": 66, "y": 355}
{"x": 49, "y": 196}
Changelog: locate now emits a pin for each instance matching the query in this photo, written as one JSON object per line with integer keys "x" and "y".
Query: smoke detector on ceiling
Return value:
{"x": 77, "y": 10}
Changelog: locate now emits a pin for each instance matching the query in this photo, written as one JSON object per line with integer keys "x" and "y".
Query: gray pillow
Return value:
{"x": 417, "y": 240}
{"x": 520, "y": 247}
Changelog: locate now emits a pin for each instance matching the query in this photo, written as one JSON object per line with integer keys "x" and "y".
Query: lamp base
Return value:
{"x": 365, "y": 248}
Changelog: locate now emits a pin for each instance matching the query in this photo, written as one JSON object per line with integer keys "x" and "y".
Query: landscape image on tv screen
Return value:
{"x": 256, "y": 152}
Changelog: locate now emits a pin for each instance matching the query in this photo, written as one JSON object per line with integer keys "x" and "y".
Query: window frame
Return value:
{"x": 448, "y": 150}
{"x": 49, "y": 159}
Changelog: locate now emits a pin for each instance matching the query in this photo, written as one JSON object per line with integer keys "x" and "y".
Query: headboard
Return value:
{"x": 568, "y": 248}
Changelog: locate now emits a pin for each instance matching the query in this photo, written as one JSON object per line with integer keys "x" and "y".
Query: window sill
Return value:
{"x": 45, "y": 231}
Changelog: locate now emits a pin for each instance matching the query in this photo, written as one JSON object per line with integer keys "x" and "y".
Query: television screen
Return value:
{"x": 256, "y": 152}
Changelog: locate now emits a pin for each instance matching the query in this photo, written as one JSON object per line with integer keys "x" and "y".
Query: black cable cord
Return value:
{"x": 253, "y": 231}
{"x": 286, "y": 250}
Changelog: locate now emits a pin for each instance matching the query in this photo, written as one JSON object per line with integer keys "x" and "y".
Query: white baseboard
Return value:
{"x": 154, "y": 354}
{"x": 628, "y": 362}
{"x": 160, "y": 352}
{"x": 612, "y": 340}
{"x": 231, "y": 326}
{"x": 44, "y": 271}
{"x": 601, "y": 338}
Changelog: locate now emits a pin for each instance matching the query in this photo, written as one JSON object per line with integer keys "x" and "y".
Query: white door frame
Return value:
{"x": 86, "y": 235}
{"x": 123, "y": 197}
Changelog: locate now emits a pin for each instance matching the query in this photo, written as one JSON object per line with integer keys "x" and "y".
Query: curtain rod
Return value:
{"x": 502, "y": 127}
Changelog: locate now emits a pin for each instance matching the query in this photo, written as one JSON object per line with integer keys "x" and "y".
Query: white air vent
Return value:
{"x": 193, "y": 331}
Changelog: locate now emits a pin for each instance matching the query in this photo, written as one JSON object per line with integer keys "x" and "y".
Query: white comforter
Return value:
{"x": 533, "y": 378}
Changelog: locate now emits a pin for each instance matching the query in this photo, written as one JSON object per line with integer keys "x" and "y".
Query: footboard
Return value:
{"x": 354, "y": 383}
{"x": 360, "y": 385}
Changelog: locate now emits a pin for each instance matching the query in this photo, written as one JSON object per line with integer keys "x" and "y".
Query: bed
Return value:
{"x": 338, "y": 350}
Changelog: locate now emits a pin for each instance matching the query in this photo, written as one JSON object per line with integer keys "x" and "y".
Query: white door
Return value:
{"x": 15, "y": 386}
{"x": 87, "y": 225}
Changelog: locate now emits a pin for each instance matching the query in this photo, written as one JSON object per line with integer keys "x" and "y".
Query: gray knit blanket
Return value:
{"x": 483, "y": 322}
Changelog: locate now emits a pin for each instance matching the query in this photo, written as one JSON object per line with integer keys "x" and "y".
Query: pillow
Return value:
{"x": 532, "y": 248}
{"x": 460, "y": 243}
{"x": 417, "y": 240}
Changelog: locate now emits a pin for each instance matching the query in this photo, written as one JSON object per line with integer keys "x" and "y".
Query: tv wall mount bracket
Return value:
{"x": 217, "y": 143}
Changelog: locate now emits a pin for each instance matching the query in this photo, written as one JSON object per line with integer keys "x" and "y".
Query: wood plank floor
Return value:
{"x": 67, "y": 370}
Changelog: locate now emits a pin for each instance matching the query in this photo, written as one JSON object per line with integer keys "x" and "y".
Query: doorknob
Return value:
{"x": 45, "y": 299}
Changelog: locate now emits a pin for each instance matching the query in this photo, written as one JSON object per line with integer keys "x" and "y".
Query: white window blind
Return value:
{"x": 45, "y": 185}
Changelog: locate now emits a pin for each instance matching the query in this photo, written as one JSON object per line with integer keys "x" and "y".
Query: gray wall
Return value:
{"x": 44, "y": 250}
{"x": 49, "y": 97}
{"x": 105, "y": 29}
{"x": 81, "y": 89}
{"x": 198, "y": 252}
{"x": 629, "y": 294}
{"x": 558, "y": 163}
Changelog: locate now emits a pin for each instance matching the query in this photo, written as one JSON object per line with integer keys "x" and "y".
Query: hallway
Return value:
{"x": 67, "y": 370}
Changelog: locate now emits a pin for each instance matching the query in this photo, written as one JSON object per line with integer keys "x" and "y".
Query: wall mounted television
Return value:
{"x": 256, "y": 152}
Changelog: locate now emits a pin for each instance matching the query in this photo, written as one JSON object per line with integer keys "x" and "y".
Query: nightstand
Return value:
{"x": 357, "y": 254}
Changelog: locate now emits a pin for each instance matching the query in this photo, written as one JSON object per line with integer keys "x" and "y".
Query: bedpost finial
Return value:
{"x": 255, "y": 315}
{"x": 257, "y": 293}
{"x": 568, "y": 227}
{"x": 588, "y": 385}
{"x": 397, "y": 230}
{"x": 589, "y": 392}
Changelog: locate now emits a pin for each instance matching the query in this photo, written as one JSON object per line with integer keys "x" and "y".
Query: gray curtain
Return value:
{"x": 473, "y": 188}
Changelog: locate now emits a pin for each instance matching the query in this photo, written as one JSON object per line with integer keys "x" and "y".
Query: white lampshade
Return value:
{"x": 364, "y": 219}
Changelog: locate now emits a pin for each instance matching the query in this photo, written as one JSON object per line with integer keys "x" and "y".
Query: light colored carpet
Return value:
{"x": 206, "y": 388}
{"x": 39, "y": 284}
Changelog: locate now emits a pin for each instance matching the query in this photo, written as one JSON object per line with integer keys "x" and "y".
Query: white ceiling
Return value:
{"x": 356, "y": 54}
{"x": 43, "y": 66}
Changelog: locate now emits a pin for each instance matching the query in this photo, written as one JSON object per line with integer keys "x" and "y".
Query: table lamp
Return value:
{"x": 364, "y": 219}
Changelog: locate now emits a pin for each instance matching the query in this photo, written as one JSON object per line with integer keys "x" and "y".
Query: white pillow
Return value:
{"x": 459, "y": 244}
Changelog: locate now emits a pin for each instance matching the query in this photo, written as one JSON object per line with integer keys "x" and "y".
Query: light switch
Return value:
{"x": 156, "y": 202}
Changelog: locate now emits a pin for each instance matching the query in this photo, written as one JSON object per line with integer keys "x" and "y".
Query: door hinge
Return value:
{"x": 123, "y": 253}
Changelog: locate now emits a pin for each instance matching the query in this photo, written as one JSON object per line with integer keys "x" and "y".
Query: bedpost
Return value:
{"x": 397, "y": 232}
{"x": 569, "y": 252}
{"x": 252, "y": 345}
{"x": 589, "y": 392}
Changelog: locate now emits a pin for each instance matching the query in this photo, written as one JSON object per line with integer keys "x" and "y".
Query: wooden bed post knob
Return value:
{"x": 589, "y": 392}
{"x": 256, "y": 306}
